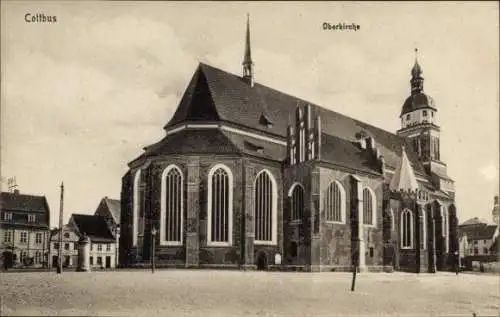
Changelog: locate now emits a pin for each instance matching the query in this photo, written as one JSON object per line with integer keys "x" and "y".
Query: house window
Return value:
{"x": 56, "y": 246}
{"x": 7, "y": 236}
{"x": 335, "y": 202}
{"x": 7, "y": 216}
{"x": 484, "y": 241}
{"x": 368, "y": 207}
{"x": 476, "y": 251}
{"x": 108, "y": 247}
{"x": 475, "y": 241}
{"x": 220, "y": 206}
{"x": 38, "y": 238}
{"x": 66, "y": 246}
{"x": 31, "y": 218}
{"x": 485, "y": 250}
{"x": 24, "y": 237}
{"x": 137, "y": 207}
{"x": 38, "y": 257}
{"x": 371, "y": 252}
{"x": 91, "y": 260}
{"x": 99, "y": 261}
{"x": 265, "y": 204}
{"x": 406, "y": 229}
{"x": 171, "y": 227}
{"x": 297, "y": 202}
{"x": 22, "y": 256}
{"x": 75, "y": 245}
{"x": 66, "y": 235}
{"x": 99, "y": 247}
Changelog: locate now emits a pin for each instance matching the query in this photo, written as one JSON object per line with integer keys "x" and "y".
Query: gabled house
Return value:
{"x": 102, "y": 241}
{"x": 110, "y": 210}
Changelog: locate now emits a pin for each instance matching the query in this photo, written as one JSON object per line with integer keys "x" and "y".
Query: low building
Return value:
{"x": 69, "y": 247}
{"x": 103, "y": 243}
{"x": 477, "y": 241}
{"x": 24, "y": 230}
{"x": 110, "y": 210}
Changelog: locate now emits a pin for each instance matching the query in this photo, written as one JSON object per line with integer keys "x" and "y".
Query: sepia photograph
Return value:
{"x": 240, "y": 158}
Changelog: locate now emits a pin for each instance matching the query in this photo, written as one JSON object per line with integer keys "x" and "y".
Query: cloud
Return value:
{"x": 489, "y": 172}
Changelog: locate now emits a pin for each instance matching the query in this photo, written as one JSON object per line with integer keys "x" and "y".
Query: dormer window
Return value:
{"x": 263, "y": 120}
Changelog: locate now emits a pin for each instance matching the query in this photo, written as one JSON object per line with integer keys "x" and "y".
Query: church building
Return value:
{"x": 248, "y": 177}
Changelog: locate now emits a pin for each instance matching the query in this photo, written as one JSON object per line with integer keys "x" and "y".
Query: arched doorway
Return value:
{"x": 262, "y": 261}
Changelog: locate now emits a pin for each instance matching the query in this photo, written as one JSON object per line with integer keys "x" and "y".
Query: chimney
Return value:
{"x": 16, "y": 191}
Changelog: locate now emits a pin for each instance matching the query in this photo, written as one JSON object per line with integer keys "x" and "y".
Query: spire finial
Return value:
{"x": 247, "y": 58}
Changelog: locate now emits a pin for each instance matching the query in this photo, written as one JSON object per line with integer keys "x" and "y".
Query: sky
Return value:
{"x": 81, "y": 97}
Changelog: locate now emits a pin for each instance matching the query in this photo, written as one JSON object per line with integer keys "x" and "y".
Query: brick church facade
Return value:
{"x": 249, "y": 177}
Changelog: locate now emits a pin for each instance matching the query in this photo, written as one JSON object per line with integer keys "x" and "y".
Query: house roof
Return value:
{"x": 479, "y": 231}
{"x": 23, "y": 202}
{"x": 474, "y": 221}
{"x": 216, "y": 95}
{"x": 94, "y": 227}
{"x": 114, "y": 208}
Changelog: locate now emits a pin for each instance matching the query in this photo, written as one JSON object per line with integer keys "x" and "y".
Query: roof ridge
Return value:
{"x": 305, "y": 101}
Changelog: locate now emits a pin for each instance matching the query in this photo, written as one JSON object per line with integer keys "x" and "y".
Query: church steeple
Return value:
{"x": 247, "y": 59}
{"x": 417, "y": 81}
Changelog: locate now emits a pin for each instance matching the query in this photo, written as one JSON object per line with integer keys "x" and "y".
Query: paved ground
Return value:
{"x": 234, "y": 293}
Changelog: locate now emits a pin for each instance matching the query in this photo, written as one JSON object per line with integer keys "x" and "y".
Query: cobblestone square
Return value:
{"x": 236, "y": 293}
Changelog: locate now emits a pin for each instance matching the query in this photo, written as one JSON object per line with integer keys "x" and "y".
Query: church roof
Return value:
{"x": 215, "y": 95}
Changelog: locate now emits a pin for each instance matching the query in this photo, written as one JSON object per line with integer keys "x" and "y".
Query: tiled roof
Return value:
{"x": 216, "y": 95}
{"x": 114, "y": 208}
{"x": 479, "y": 231}
{"x": 23, "y": 202}
{"x": 94, "y": 227}
{"x": 474, "y": 221}
{"x": 256, "y": 147}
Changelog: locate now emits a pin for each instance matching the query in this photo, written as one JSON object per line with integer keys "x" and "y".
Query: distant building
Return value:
{"x": 69, "y": 247}
{"x": 110, "y": 210}
{"x": 496, "y": 211}
{"x": 103, "y": 243}
{"x": 477, "y": 237}
{"x": 24, "y": 229}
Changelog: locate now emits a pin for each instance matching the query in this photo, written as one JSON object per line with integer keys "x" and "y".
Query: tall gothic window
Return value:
{"x": 297, "y": 202}
{"x": 406, "y": 229}
{"x": 138, "y": 209}
{"x": 335, "y": 202}
{"x": 445, "y": 228}
{"x": 171, "y": 216}
{"x": 302, "y": 142}
{"x": 423, "y": 232}
{"x": 368, "y": 207}
{"x": 265, "y": 204}
{"x": 220, "y": 206}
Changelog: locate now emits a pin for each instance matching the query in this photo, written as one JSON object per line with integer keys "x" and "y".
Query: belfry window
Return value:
{"x": 297, "y": 202}
{"x": 368, "y": 207}
{"x": 335, "y": 202}
{"x": 171, "y": 226}
{"x": 406, "y": 229}
{"x": 220, "y": 206}
{"x": 424, "y": 113}
{"x": 265, "y": 204}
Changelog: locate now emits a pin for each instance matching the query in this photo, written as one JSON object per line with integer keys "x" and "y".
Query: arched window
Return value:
{"x": 335, "y": 202}
{"x": 296, "y": 202}
{"x": 422, "y": 229}
{"x": 137, "y": 204}
{"x": 445, "y": 228}
{"x": 220, "y": 206}
{"x": 406, "y": 229}
{"x": 171, "y": 212}
{"x": 368, "y": 207}
{"x": 265, "y": 204}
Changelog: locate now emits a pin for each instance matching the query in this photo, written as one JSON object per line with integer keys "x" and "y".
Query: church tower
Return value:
{"x": 419, "y": 123}
{"x": 247, "y": 58}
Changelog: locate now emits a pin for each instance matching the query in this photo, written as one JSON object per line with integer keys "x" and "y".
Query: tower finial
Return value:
{"x": 247, "y": 58}
{"x": 417, "y": 81}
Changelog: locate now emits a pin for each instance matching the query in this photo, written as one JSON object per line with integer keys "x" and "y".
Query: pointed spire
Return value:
{"x": 404, "y": 177}
{"x": 416, "y": 70}
{"x": 247, "y": 58}
{"x": 417, "y": 81}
